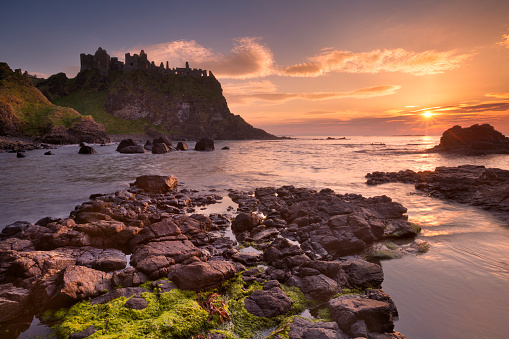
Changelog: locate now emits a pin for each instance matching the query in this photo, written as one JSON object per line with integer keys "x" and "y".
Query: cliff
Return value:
{"x": 139, "y": 103}
{"x": 25, "y": 111}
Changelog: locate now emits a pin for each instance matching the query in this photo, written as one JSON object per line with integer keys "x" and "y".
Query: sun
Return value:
{"x": 427, "y": 114}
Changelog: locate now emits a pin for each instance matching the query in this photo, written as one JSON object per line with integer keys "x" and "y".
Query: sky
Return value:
{"x": 295, "y": 67}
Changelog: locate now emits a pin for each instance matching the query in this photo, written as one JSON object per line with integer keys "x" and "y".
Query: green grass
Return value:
{"x": 92, "y": 103}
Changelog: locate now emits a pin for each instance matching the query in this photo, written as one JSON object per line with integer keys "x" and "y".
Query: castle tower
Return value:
{"x": 102, "y": 61}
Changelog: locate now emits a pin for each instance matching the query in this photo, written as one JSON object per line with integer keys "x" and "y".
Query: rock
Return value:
{"x": 132, "y": 149}
{"x": 269, "y": 302}
{"x": 201, "y": 276}
{"x": 225, "y": 148}
{"x": 87, "y": 149}
{"x": 125, "y": 143}
{"x": 20, "y": 154}
{"x": 72, "y": 284}
{"x": 126, "y": 292}
{"x": 163, "y": 140}
{"x": 129, "y": 277}
{"x": 473, "y": 140}
{"x": 85, "y": 129}
{"x": 205, "y": 144}
{"x": 49, "y": 153}
{"x": 156, "y": 183}
{"x": 14, "y": 229}
{"x": 136, "y": 303}
{"x": 160, "y": 148}
{"x": 182, "y": 146}
{"x": 148, "y": 145}
{"x": 245, "y": 222}
{"x": 14, "y": 301}
{"x": 302, "y": 328}
{"x": 89, "y": 331}
{"x": 362, "y": 274}
{"x": 357, "y": 315}
{"x": 319, "y": 287}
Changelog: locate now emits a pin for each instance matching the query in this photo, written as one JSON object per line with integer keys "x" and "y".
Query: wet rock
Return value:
{"x": 125, "y": 143}
{"x": 182, "y": 146}
{"x": 164, "y": 285}
{"x": 136, "y": 303}
{"x": 205, "y": 144}
{"x": 15, "y": 229}
{"x": 126, "y": 292}
{"x": 20, "y": 154}
{"x": 362, "y": 274}
{"x": 319, "y": 287}
{"x": 247, "y": 258}
{"x": 245, "y": 222}
{"x": 357, "y": 315}
{"x": 130, "y": 277}
{"x": 72, "y": 284}
{"x": 89, "y": 331}
{"x": 14, "y": 301}
{"x": 156, "y": 183}
{"x": 86, "y": 149}
{"x": 302, "y": 328}
{"x": 163, "y": 140}
{"x": 269, "y": 302}
{"x": 160, "y": 148}
{"x": 15, "y": 244}
{"x": 200, "y": 276}
{"x": 148, "y": 145}
{"x": 132, "y": 149}
{"x": 49, "y": 153}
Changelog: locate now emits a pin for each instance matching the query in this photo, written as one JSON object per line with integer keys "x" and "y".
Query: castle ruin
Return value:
{"x": 102, "y": 61}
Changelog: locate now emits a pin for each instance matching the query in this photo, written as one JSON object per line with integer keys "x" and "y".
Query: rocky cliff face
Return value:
{"x": 184, "y": 106}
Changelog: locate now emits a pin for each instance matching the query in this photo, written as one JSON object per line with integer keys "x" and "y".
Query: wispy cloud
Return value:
{"x": 498, "y": 95}
{"x": 249, "y": 58}
{"x": 277, "y": 97}
{"x": 395, "y": 60}
{"x": 504, "y": 42}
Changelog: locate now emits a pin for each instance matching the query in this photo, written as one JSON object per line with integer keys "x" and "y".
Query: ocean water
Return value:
{"x": 459, "y": 289}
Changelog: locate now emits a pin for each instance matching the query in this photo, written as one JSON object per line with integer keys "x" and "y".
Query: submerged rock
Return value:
{"x": 205, "y": 144}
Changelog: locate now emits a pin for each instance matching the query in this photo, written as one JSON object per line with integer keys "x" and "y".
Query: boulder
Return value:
{"x": 163, "y": 140}
{"x": 72, "y": 284}
{"x": 205, "y": 144}
{"x": 245, "y": 222}
{"x": 319, "y": 287}
{"x": 49, "y": 153}
{"x": 182, "y": 146}
{"x": 357, "y": 315}
{"x": 362, "y": 274}
{"x": 160, "y": 148}
{"x": 14, "y": 301}
{"x": 129, "y": 277}
{"x": 201, "y": 276}
{"x": 132, "y": 149}
{"x": 125, "y": 143}
{"x": 86, "y": 149}
{"x": 85, "y": 129}
{"x": 302, "y": 328}
{"x": 156, "y": 183}
{"x": 148, "y": 145}
{"x": 20, "y": 154}
{"x": 269, "y": 302}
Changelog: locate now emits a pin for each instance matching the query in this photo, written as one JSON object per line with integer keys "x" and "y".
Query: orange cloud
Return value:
{"x": 498, "y": 95}
{"x": 396, "y": 60}
{"x": 505, "y": 41}
{"x": 249, "y": 58}
{"x": 241, "y": 99}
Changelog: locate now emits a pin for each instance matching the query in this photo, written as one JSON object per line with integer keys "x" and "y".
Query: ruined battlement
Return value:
{"x": 102, "y": 61}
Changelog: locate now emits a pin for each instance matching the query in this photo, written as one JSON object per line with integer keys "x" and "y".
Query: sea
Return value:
{"x": 459, "y": 289}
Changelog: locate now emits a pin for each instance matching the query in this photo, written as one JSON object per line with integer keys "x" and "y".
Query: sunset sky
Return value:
{"x": 296, "y": 67}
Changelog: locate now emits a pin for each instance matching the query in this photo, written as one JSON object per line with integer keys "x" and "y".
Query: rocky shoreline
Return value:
{"x": 284, "y": 243}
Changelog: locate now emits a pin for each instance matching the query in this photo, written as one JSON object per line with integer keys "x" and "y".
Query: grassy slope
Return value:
{"x": 34, "y": 113}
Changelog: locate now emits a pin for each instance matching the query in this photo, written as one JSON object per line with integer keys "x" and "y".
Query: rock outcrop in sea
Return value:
{"x": 473, "y": 140}
{"x": 307, "y": 244}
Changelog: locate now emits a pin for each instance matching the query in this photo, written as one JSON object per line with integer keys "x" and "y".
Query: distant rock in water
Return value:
{"x": 473, "y": 140}
{"x": 86, "y": 149}
{"x": 21, "y": 154}
{"x": 132, "y": 149}
{"x": 205, "y": 144}
{"x": 182, "y": 146}
{"x": 125, "y": 143}
{"x": 160, "y": 148}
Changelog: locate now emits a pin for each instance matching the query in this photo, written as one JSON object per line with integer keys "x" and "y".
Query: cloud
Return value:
{"x": 249, "y": 87}
{"x": 498, "y": 95}
{"x": 395, "y": 60}
{"x": 249, "y": 58}
{"x": 276, "y": 97}
{"x": 505, "y": 41}
{"x": 497, "y": 106}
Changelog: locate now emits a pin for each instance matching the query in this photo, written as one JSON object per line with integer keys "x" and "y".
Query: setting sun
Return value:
{"x": 427, "y": 114}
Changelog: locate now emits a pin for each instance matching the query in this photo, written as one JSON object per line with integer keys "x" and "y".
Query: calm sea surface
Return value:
{"x": 459, "y": 289}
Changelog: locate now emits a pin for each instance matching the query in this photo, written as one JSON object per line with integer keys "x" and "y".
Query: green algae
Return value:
{"x": 176, "y": 314}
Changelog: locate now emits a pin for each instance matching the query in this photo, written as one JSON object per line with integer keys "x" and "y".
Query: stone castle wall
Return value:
{"x": 102, "y": 61}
